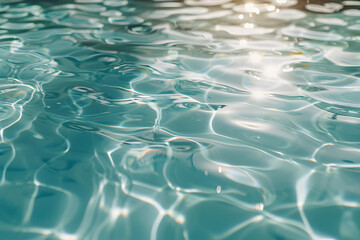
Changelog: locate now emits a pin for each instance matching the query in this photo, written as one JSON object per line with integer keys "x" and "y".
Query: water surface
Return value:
{"x": 188, "y": 120}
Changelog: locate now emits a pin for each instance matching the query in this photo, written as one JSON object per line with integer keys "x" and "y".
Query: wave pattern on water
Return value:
{"x": 193, "y": 119}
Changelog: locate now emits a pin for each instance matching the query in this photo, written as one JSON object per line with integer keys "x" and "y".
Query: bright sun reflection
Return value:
{"x": 251, "y": 8}
{"x": 243, "y": 43}
{"x": 66, "y": 236}
{"x": 271, "y": 8}
{"x": 255, "y": 57}
{"x": 117, "y": 212}
{"x": 180, "y": 219}
{"x": 258, "y": 126}
{"x": 258, "y": 95}
{"x": 259, "y": 206}
{"x": 249, "y": 25}
{"x": 271, "y": 71}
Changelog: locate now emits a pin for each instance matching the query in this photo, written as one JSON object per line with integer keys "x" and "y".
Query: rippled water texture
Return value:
{"x": 195, "y": 119}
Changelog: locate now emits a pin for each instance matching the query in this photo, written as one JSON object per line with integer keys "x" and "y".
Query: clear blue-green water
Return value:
{"x": 179, "y": 120}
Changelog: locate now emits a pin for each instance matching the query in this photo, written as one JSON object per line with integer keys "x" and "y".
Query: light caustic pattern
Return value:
{"x": 195, "y": 119}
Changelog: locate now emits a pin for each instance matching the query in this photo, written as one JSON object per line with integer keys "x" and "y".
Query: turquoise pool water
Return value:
{"x": 179, "y": 120}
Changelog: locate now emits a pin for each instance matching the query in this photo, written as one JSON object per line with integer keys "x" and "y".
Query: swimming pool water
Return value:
{"x": 179, "y": 120}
